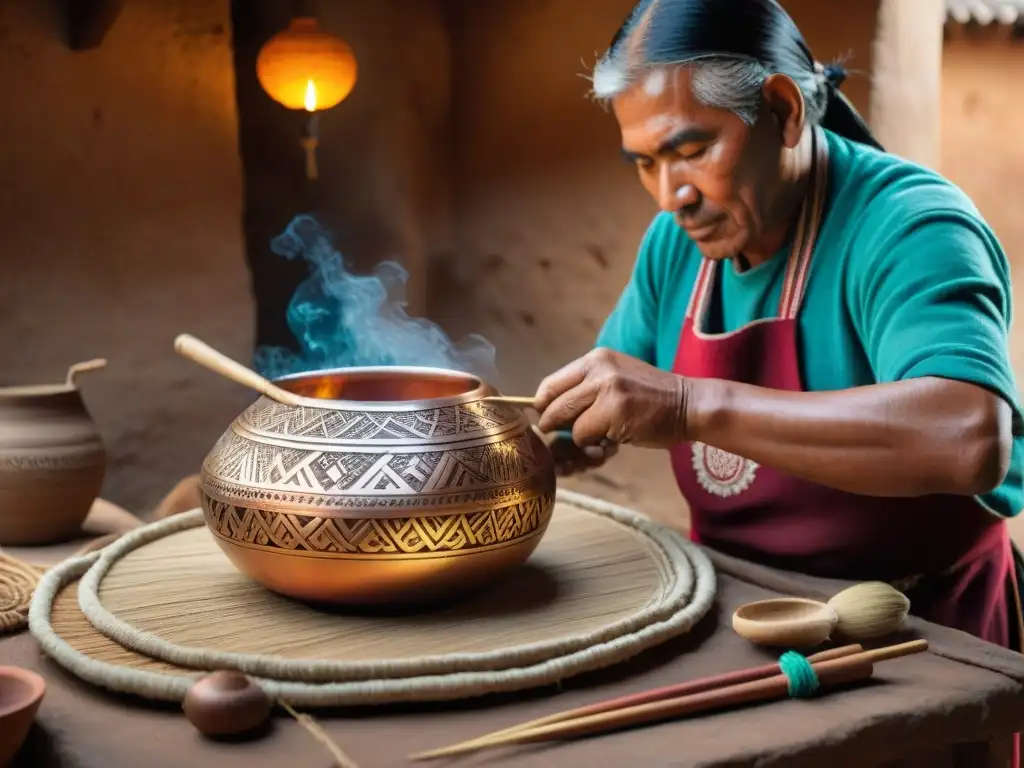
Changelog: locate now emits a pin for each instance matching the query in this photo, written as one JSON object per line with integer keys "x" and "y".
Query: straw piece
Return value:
{"x": 314, "y": 729}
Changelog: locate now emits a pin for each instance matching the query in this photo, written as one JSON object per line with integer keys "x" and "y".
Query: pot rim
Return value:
{"x": 479, "y": 391}
{"x": 68, "y": 386}
{"x": 31, "y": 390}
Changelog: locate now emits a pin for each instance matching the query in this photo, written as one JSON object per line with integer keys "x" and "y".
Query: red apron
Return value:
{"x": 952, "y": 557}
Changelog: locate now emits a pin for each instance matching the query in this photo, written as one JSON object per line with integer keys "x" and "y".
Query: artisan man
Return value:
{"x": 815, "y": 329}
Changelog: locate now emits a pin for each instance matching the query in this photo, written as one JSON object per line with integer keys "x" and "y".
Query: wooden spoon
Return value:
{"x": 199, "y": 352}
{"x": 791, "y": 622}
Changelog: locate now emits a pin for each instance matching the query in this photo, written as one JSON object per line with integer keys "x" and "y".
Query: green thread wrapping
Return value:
{"x": 803, "y": 680}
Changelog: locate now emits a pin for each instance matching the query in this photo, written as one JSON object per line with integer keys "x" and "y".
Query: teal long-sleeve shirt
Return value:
{"x": 907, "y": 281}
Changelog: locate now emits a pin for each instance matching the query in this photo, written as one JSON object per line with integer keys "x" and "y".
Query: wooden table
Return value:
{"x": 953, "y": 707}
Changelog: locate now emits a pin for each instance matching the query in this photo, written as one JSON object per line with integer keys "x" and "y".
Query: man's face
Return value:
{"x": 714, "y": 172}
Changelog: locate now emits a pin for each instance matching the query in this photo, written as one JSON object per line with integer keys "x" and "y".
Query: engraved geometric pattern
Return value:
{"x": 400, "y": 536}
{"x": 67, "y": 461}
{"x": 428, "y": 425}
{"x": 498, "y": 462}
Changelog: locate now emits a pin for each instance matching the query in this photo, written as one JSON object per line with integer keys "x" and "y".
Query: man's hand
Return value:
{"x": 571, "y": 459}
{"x": 606, "y": 395}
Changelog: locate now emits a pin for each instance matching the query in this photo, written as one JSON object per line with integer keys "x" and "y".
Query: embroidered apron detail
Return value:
{"x": 720, "y": 472}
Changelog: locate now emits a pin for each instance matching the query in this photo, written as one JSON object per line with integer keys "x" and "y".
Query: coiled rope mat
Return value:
{"x": 162, "y": 605}
{"x": 17, "y": 580}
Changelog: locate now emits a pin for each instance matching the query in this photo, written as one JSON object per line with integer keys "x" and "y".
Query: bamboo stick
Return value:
{"x": 832, "y": 672}
{"x": 664, "y": 692}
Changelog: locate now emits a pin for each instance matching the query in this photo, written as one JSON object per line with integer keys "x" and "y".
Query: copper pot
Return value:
{"x": 384, "y": 486}
{"x": 52, "y": 462}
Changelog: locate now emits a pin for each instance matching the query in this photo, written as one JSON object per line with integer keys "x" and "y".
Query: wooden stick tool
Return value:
{"x": 657, "y": 694}
{"x": 830, "y": 672}
{"x": 206, "y": 356}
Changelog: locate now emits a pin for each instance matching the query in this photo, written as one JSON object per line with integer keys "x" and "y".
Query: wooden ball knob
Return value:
{"x": 227, "y": 703}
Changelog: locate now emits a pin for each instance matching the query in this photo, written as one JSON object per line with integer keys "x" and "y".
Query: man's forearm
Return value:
{"x": 908, "y": 438}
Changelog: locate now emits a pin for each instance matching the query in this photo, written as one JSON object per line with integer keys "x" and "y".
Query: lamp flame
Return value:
{"x": 310, "y": 101}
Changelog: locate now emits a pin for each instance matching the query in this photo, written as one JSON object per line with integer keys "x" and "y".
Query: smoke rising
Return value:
{"x": 341, "y": 319}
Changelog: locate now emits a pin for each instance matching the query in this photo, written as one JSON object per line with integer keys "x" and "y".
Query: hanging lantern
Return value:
{"x": 305, "y": 68}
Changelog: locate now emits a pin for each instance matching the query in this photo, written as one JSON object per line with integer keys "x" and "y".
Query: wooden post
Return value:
{"x": 906, "y": 87}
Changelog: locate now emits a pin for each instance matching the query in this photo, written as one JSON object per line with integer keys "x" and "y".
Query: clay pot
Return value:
{"x": 52, "y": 462}
{"x": 21, "y": 693}
{"x": 385, "y": 486}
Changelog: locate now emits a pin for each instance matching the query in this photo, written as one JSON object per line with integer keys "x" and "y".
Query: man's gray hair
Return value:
{"x": 723, "y": 82}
